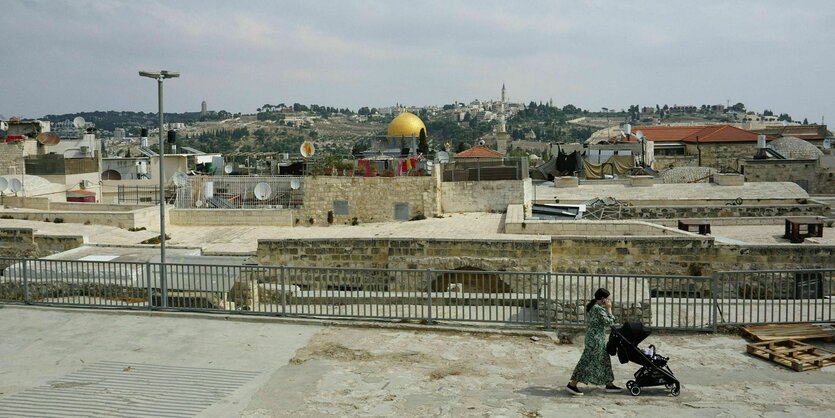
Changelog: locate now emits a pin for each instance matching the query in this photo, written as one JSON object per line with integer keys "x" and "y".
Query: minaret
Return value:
{"x": 502, "y": 126}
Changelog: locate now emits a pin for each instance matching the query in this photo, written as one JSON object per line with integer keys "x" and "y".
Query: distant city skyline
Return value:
{"x": 74, "y": 56}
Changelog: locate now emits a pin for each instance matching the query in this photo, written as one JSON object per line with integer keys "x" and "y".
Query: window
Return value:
{"x": 401, "y": 211}
{"x": 340, "y": 207}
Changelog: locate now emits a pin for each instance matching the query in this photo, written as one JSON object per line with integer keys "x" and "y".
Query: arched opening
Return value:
{"x": 470, "y": 279}
{"x": 111, "y": 175}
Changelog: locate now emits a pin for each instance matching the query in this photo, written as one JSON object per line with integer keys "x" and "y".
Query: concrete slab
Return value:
{"x": 41, "y": 347}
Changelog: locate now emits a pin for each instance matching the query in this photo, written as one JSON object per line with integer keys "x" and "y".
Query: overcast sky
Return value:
{"x": 71, "y": 56}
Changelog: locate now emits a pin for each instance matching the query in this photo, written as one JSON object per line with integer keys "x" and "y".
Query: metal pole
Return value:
{"x": 161, "y": 188}
{"x": 26, "y": 297}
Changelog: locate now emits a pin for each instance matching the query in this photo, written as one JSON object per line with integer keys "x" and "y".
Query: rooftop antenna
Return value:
{"x": 262, "y": 191}
{"x": 15, "y": 186}
{"x": 179, "y": 178}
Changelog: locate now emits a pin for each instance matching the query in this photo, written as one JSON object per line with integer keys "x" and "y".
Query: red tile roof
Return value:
{"x": 693, "y": 134}
{"x": 478, "y": 151}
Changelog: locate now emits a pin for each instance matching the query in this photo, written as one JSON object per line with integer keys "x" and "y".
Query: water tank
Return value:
{"x": 760, "y": 141}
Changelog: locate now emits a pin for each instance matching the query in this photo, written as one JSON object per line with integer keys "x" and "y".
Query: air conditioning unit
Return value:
{"x": 85, "y": 149}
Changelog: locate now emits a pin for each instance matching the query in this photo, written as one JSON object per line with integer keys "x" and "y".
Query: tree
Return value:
{"x": 805, "y": 121}
{"x": 767, "y": 112}
{"x": 423, "y": 146}
{"x": 739, "y": 107}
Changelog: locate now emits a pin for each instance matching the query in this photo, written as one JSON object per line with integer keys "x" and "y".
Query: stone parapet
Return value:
{"x": 233, "y": 217}
{"x": 566, "y": 181}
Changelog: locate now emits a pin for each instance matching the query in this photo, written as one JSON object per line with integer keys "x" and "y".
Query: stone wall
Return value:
{"x": 232, "y": 217}
{"x": 666, "y": 161}
{"x": 723, "y": 154}
{"x": 146, "y": 217}
{"x": 54, "y": 244}
{"x": 39, "y": 203}
{"x": 810, "y": 208}
{"x": 683, "y": 256}
{"x": 367, "y": 199}
{"x": 809, "y": 175}
{"x": 483, "y": 196}
{"x": 17, "y": 242}
{"x": 11, "y": 158}
{"x": 530, "y": 255}
{"x": 515, "y": 223}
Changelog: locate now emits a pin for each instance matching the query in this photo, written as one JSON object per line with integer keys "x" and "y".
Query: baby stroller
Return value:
{"x": 654, "y": 370}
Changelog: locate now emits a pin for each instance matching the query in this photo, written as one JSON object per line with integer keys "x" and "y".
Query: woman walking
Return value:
{"x": 595, "y": 366}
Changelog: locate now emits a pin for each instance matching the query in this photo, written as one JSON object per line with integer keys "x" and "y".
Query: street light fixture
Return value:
{"x": 160, "y": 76}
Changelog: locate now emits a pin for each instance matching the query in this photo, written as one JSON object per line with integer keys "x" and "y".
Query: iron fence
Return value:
{"x": 526, "y": 299}
{"x": 241, "y": 192}
{"x": 485, "y": 169}
{"x": 139, "y": 195}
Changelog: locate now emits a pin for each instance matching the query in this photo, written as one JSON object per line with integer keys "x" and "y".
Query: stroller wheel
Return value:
{"x": 675, "y": 391}
{"x": 635, "y": 390}
{"x": 629, "y": 384}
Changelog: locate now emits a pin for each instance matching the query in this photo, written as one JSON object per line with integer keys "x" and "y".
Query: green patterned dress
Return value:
{"x": 595, "y": 366}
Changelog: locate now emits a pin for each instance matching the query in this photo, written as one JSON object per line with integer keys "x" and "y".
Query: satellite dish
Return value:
{"x": 78, "y": 122}
{"x": 180, "y": 179}
{"x": 228, "y": 169}
{"x": 295, "y": 184}
{"x": 443, "y": 157}
{"x": 639, "y": 134}
{"x": 262, "y": 191}
{"x": 198, "y": 203}
{"x": 3, "y": 184}
{"x": 481, "y": 142}
{"x": 48, "y": 138}
{"x": 15, "y": 185}
{"x": 307, "y": 150}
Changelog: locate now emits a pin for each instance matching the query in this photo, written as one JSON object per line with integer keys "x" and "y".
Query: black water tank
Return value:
{"x": 144, "y": 133}
{"x": 172, "y": 137}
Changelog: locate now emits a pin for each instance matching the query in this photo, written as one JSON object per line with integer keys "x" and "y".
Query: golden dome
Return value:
{"x": 407, "y": 125}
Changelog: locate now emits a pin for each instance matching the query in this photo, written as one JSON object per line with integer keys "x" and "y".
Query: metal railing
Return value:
{"x": 241, "y": 192}
{"x": 535, "y": 299}
{"x": 137, "y": 195}
{"x": 774, "y": 296}
{"x": 484, "y": 169}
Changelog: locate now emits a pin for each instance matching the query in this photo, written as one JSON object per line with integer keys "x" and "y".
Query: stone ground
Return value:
{"x": 308, "y": 369}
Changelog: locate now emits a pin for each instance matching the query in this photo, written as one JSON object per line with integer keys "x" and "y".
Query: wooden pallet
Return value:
{"x": 773, "y": 332}
{"x": 793, "y": 354}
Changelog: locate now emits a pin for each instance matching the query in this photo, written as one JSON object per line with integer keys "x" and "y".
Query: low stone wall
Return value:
{"x": 682, "y": 256}
{"x": 727, "y": 211}
{"x": 39, "y": 203}
{"x": 118, "y": 219}
{"x": 515, "y": 223}
{"x": 392, "y": 253}
{"x": 17, "y": 242}
{"x": 54, "y": 244}
{"x": 233, "y": 217}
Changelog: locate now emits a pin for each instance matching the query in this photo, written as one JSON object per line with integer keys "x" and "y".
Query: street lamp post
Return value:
{"x": 160, "y": 76}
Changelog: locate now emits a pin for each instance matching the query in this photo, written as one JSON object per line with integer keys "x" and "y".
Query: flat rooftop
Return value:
{"x": 243, "y": 240}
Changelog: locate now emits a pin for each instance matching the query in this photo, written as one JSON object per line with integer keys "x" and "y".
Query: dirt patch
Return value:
{"x": 331, "y": 351}
{"x": 450, "y": 370}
